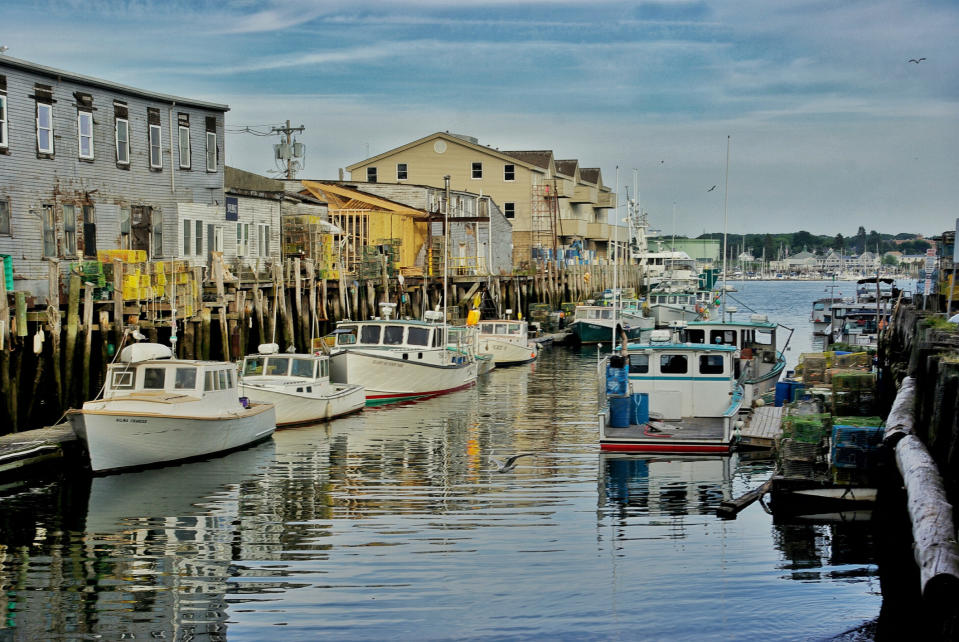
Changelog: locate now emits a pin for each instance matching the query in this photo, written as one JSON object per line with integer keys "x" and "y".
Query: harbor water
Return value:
{"x": 392, "y": 524}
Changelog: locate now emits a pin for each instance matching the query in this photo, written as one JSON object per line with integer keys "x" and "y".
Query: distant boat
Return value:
{"x": 663, "y": 396}
{"x": 600, "y": 323}
{"x": 156, "y": 409}
{"x": 299, "y": 385}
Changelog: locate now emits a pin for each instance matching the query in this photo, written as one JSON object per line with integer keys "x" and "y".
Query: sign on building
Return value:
{"x": 232, "y": 209}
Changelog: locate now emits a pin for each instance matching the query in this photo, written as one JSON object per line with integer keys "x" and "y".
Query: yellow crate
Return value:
{"x": 159, "y": 291}
{"x": 146, "y": 292}
{"x": 160, "y": 278}
{"x": 144, "y": 280}
{"x": 130, "y": 291}
{"x": 131, "y": 281}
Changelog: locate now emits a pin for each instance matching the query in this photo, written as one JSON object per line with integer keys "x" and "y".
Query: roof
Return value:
{"x": 700, "y": 347}
{"x": 590, "y": 175}
{"x": 539, "y": 158}
{"x": 452, "y": 138}
{"x": 337, "y": 196}
{"x": 566, "y": 167}
{"x": 59, "y": 74}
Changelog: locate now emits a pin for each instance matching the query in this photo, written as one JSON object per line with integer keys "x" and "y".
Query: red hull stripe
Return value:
{"x": 672, "y": 448}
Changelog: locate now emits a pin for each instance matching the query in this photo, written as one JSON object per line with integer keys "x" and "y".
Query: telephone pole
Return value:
{"x": 288, "y": 151}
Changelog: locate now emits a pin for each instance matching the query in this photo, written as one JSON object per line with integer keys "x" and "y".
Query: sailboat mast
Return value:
{"x": 615, "y": 259}
{"x": 725, "y": 220}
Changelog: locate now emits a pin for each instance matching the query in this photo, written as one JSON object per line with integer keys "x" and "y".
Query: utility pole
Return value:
{"x": 288, "y": 151}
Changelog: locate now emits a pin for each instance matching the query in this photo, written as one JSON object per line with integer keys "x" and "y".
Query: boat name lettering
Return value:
{"x": 126, "y": 420}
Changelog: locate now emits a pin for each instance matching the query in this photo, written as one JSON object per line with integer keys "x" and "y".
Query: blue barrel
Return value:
{"x": 640, "y": 408}
{"x": 616, "y": 380}
{"x": 783, "y": 392}
{"x": 619, "y": 411}
{"x": 796, "y": 389}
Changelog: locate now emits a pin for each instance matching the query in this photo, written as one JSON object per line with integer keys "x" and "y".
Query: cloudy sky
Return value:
{"x": 830, "y": 126}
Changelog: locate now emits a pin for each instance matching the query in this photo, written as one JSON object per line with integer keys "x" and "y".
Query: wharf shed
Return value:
{"x": 551, "y": 207}
{"x": 87, "y": 164}
{"x": 481, "y": 237}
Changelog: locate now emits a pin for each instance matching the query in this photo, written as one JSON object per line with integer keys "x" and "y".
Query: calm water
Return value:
{"x": 391, "y": 525}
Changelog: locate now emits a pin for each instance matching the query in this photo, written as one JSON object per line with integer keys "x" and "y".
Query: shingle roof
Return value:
{"x": 540, "y": 158}
{"x": 589, "y": 174}
{"x": 566, "y": 167}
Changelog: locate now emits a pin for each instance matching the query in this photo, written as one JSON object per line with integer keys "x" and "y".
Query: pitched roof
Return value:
{"x": 451, "y": 138}
{"x": 338, "y": 196}
{"x": 591, "y": 175}
{"x": 539, "y": 158}
{"x": 566, "y": 167}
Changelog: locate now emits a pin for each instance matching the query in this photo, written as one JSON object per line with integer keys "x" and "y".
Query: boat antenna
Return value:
{"x": 725, "y": 219}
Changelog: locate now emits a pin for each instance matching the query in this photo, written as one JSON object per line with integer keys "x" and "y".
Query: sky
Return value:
{"x": 828, "y": 125}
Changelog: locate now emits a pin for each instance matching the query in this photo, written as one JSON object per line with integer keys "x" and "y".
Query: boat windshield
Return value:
{"x": 392, "y": 335}
{"x": 302, "y": 368}
{"x": 185, "y": 379}
{"x": 277, "y": 366}
{"x": 370, "y": 334}
{"x": 418, "y": 336}
{"x": 253, "y": 366}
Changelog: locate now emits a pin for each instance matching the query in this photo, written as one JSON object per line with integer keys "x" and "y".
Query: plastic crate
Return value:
{"x": 865, "y": 437}
{"x": 852, "y": 457}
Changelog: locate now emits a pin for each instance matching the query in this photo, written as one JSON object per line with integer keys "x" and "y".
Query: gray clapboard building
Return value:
{"x": 88, "y": 164}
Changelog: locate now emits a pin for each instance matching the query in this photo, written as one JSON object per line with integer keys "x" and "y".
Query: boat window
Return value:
{"x": 696, "y": 336}
{"x": 347, "y": 336}
{"x": 639, "y": 363}
{"x": 393, "y": 335}
{"x": 325, "y": 368}
{"x": 514, "y": 328}
{"x": 223, "y": 382}
{"x": 500, "y": 328}
{"x": 672, "y": 298}
{"x": 673, "y": 364}
{"x": 370, "y": 334}
{"x": 123, "y": 380}
{"x": 253, "y": 366}
{"x": 185, "y": 379}
{"x": 229, "y": 379}
{"x": 818, "y": 305}
{"x": 606, "y": 314}
{"x": 154, "y": 378}
{"x": 418, "y": 337}
{"x": 711, "y": 364}
{"x": 302, "y": 368}
{"x": 487, "y": 328}
{"x": 209, "y": 380}
{"x": 277, "y": 366}
{"x": 765, "y": 337}
{"x": 437, "y": 338}
{"x": 724, "y": 337}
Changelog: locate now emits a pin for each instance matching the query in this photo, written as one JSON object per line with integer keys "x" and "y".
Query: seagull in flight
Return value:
{"x": 509, "y": 464}
{"x": 711, "y": 188}
{"x": 916, "y": 60}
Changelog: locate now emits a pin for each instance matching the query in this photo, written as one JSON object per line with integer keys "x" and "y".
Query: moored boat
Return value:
{"x": 157, "y": 409}
{"x": 400, "y": 360}
{"x": 507, "y": 340}
{"x": 299, "y": 385}
{"x": 669, "y": 397}
{"x": 599, "y": 324}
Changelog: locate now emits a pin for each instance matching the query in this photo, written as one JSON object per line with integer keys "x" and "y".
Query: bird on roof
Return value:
{"x": 916, "y": 60}
{"x": 509, "y": 464}
{"x": 711, "y": 188}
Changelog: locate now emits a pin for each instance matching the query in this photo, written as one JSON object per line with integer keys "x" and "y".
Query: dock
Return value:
{"x": 763, "y": 427}
{"x": 31, "y": 448}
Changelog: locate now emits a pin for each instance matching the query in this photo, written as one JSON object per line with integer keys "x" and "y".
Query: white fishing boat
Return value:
{"x": 466, "y": 338}
{"x": 157, "y": 409}
{"x": 507, "y": 340}
{"x": 400, "y": 360}
{"x": 299, "y": 385}
{"x": 759, "y": 363}
{"x": 664, "y": 396}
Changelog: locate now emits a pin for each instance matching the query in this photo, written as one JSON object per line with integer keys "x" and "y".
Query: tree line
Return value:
{"x": 777, "y": 246}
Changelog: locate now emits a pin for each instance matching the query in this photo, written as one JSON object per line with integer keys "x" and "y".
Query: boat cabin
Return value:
{"x": 414, "y": 335}
{"x": 681, "y": 379}
{"x": 673, "y": 298}
{"x": 297, "y": 366}
{"x": 150, "y": 368}
{"x": 503, "y": 328}
{"x": 593, "y": 313}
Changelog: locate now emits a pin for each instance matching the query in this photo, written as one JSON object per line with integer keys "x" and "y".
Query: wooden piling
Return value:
{"x": 73, "y": 327}
{"x": 10, "y": 394}
{"x": 55, "y": 325}
{"x": 204, "y": 338}
{"x": 87, "y": 340}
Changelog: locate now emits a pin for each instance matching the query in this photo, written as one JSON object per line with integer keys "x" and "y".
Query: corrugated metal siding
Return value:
{"x": 30, "y": 181}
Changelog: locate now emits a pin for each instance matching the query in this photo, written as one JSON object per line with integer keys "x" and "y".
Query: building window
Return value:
{"x": 242, "y": 239}
{"x": 156, "y": 158}
{"x": 263, "y": 239}
{"x": 49, "y": 225}
{"x": 187, "y": 229}
{"x": 509, "y": 210}
{"x": 210, "y": 152}
{"x": 509, "y": 172}
{"x": 44, "y": 128}
{"x": 69, "y": 231}
{"x": 85, "y": 134}
{"x": 5, "y": 216}
{"x": 89, "y": 232}
{"x": 477, "y": 170}
{"x": 370, "y": 174}
{"x": 123, "y": 141}
{"x": 3, "y": 121}
{"x": 401, "y": 174}
{"x": 157, "y": 232}
{"x": 198, "y": 238}
{"x": 184, "y": 138}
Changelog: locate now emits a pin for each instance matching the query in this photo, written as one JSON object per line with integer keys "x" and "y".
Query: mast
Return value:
{"x": 446, "y": 246}
{"x": 615, "y": 260}
{"x": 725, "y": 219}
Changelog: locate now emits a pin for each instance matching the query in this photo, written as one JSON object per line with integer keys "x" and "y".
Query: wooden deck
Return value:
{"x": 763, "y": 427}
{"x": 29, "y": 448}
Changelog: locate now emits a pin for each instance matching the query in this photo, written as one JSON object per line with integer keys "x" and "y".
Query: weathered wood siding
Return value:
{"x": 30, "y": 179}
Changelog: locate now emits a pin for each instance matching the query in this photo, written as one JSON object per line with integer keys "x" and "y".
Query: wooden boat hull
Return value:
{"x": 507, "y": 353}
{"x": 119, "y": 439}
{"x": 323, "y": 404}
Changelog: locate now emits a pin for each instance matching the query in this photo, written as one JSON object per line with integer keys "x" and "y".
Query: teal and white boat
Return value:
{"x": 603, "y": 323}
